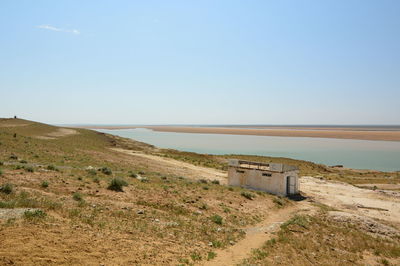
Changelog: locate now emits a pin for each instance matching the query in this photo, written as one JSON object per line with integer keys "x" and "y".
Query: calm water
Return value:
{"x": 359, "y": 154}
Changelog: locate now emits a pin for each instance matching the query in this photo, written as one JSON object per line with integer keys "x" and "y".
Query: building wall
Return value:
{"x": 254, "y": 179}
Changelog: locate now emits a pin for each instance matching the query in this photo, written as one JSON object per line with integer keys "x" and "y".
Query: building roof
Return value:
{"x": 270, "y": 167}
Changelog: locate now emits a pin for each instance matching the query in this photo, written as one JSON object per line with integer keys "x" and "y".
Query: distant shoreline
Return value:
{"x": 359, "y": 133}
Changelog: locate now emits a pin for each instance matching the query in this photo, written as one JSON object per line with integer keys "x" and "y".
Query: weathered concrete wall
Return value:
{"x": 254, "y": 179}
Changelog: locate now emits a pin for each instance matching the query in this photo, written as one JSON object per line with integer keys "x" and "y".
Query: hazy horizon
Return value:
{"x": 208, "y": 62}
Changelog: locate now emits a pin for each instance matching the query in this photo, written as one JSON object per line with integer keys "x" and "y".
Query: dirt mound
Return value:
{"x": 364, "y": 223}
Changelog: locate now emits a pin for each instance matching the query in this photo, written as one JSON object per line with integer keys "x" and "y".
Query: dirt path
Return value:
{"x": 256, "y": 236}
{"x": 194, "y": 171}
{"x": 365, "y": 202}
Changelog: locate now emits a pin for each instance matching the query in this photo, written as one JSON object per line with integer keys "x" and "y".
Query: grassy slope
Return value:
{"x": 180, "y": 216}
{"x": 179, "y": 219}
{"x": 318, "y": 240}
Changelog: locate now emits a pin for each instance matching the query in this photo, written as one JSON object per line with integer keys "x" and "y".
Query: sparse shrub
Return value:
{"x": 13, "y": 157}
{"x": 141, "y": 173}
{"x": 117, "y": 184}
{"x": 92, "y": 172}
{"x": 203, "y": 181}
{"x": 216, "y": 219}
{"x": 248, "y": 195}
{"x": 1, "y": 163}
{"x": 279, "y": 201}
{"x": 6, "y": 188}
{"x": 1, "y": 171}
{"x": 33, "y": 215}
{"x": 133, "y": 175}
{"x": 216, "y": 243}
{"x": 211, "y": 255}
{"x": 205, "y": 188}
{"x": 195, "y": 256}
{"x": 300, "y": 220}
{"x": 96, "y": 180}
{"x": 259, "y": 254}
{"x": 230, "y": 188}
{"x": 77, "y": 196}
{"x": 216, "y": 182}
{"x": 23, "y": 161}
{"x": 29, "y": 169}
{"x": 45, "y": 184}
{"x": 385, "y": 262}
{"x": 106, "y": 171}
{"x": 51, "y": 167}
{"x": 203, "y": 206}
{"x": 144, "y": 180}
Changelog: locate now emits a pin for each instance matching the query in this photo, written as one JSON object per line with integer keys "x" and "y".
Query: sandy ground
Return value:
{"x": 325, "y": 132}
{"x": 317, "y": 133}
{"x": 186, "y": 169}
{"x": 351, "y": 199}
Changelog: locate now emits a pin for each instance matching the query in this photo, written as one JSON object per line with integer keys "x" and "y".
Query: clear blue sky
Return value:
{"x": 201, "y": 62}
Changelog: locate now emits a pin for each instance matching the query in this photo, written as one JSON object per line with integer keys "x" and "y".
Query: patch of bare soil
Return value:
{"x": 60, "y": 132}
{"x": 187, "y": 169}
{"x": 364, "y": 223}
{"x": 14, "y": 213}
{"x": 346, "y": 197}
{"x": 381, "y": 186}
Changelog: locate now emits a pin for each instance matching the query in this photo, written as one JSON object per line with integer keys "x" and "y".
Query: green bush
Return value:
{"x": 6, "y": 189}
{"x": 117, "y": 184}
{"x": 216, "y": 219}
{"x": 77, "y": 196}
{"x": 216, "y": 182}
{"x": 45, "y": 184}
{"x": 36, "y": 214}
{"x": 1, "y": 163}
{"x": 1, "y": 171}
{"x": 106, "y": 171}
{"x": 91, "y": 172}
{"x": 23, "y": 161}
{"x": 29, "y": 169}
{"x": 133, "y": 175}
{"x": 248, "y": 195}
{"x": 52, "y": 168}
{"x": 195, "y": 256}
{"x": 13, "y": 157}
{"x": 211, "y": 255}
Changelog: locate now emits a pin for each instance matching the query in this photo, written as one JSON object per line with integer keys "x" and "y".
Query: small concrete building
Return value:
{"x": 274, "y": 178}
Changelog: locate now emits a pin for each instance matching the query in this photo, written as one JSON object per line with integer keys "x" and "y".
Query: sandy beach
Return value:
{"x": 361, "y": 133}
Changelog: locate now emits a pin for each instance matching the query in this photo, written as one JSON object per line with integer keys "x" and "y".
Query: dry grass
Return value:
{"x": 309, "y": 240}
{"x": 173, "y": 221}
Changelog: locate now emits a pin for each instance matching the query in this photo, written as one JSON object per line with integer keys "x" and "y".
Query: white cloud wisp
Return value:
{"x": 52, "y": 28}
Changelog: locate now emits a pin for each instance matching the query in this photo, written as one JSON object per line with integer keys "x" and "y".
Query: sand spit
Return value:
{"x": 325, "y": 132}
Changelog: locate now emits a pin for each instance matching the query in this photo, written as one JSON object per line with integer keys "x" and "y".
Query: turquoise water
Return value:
{"x": 358, "y": 154}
